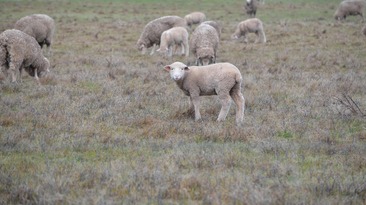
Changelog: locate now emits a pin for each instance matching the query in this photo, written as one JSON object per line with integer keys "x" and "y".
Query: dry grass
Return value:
{"x": 108, "y": 126}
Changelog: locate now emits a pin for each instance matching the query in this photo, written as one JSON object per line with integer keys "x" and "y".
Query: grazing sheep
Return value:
{"x": 215, "y": 25}
{"x": 39, "y": 26}
{"x": 250, "y": 7}
{"x": 172, "y": 37}
{"x": 18, "y": 50}
{"x": 253, "y": 25}
{"x": 222, "y": 79}
{"x": 204, "y": 43}
{"x": 349, "y": 8}
{"x": 194, "y": 18}
{"x": 151, "y": 34}
{"x": 364, "y": 30}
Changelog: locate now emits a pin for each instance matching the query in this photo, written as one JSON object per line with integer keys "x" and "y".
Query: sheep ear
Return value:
{"x": 167, "y": 68}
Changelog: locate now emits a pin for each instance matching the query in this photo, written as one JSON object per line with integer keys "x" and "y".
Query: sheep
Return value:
{"x": 364, "y": 30}
{"x": 204, "y": 43}
{"x": 253, "y": 25}
{"x": 150, "y": 36}
{"x": 221, "y": 79}
{"x": 349, "y": 8}
{"x": 39, "y": 26}
{"x": 194, "y": 18}
{"x": 172, "y": 37}
{"x": 250, "y": 7}
{"x": 215, "y": 25}
{"x": 18, "y": 50}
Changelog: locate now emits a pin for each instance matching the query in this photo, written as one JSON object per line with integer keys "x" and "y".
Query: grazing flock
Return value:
{"x": 21, "y": 48}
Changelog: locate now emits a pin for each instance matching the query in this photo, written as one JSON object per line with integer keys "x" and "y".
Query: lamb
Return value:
{"x": 39, "y": 26}
{"x": 151, "y": 33}
{"x": 172, "y": 37}
{"x": 349, "y": 8}
{"x": 18, "y": 50}
{"x": 222, "y": 79}
{"x": 253, "y": 25}
{"x": 204, "y": 43}
{"x": 215, "y": 25}
{"x": 194, "y": 18}
{"x": 251, "y": 7}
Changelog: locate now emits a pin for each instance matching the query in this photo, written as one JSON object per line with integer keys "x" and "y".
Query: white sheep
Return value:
{"x": 39, "y": 26}
{"x": 215, "y": 25}
{"x": 194, "y": 18}
{"x": 18, "y": 50}
{"x": 174, "y": 36}
{"x": 349, "y": 8}
{"x": 221, "y": 79}
{"x": 151, "y": 33}
{"x": 204, "y": 43}
{"x": 253, "y": 25}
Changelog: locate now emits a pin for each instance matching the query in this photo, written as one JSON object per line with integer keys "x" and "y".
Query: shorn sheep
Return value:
{"x": 174, "y": 37}
{"x": 20, "y": 51}
{"x": 150, "y": 36}
{"x": 250, "y": 7}
{"x": 349, "y": 8}
{"x": 215, "y": 25}
{"x": 194, "y": 18}
{"x": 253, "y": 25}
{"x": 204, "y": 43}
{"x": 39, "y": 26}
{"x": 221, "y": 79}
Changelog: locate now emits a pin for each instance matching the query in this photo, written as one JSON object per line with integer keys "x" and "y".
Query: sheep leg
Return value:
{"x": 13, "y": 69}
{"x": 240, "y": 105}
{"x": 170, "y": 51}
{"x": 186, "y": 47}
{"x": 196, "y": 104}
{"x": 153, "y": 50}
{"x": 225, "y": 106}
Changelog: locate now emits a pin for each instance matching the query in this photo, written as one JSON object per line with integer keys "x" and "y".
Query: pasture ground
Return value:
{"x": 108, "y": 126}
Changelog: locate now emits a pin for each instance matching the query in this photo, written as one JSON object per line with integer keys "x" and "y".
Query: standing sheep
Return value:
{"x": 18, "y": 50}
{"x": 349, "y": 8}
{"x": 204, "y": 43}
{"x": 172, "y": 37}
{"x": 215, "y": 25}
{"x": 250, "y": 6}
{"x": 253, "y": 25}
{"x": 151, "y": 34}
{"x": 39, "y": 26}
{"x": 194, "y": 18}
{"x": 222, "y": 79}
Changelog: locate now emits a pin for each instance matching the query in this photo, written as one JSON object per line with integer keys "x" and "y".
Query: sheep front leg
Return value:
{"x": 13, "y": 69}
{"x": 196, "y": 104}
{"x": 153, "y": 50}
{"x": 225, "y": 106}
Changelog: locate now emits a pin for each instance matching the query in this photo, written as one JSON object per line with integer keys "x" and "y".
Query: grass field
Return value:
{"x": 109, "y": 126}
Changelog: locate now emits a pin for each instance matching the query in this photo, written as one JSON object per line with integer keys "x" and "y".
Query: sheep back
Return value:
{"x": 215, "y": 25}
{"x": 39, "y": 26}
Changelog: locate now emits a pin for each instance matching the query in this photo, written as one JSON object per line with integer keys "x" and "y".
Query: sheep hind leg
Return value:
{"x": 240, "y": 105}
{"x": 225, "y": 107}
{"x": 13, "y": 70}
